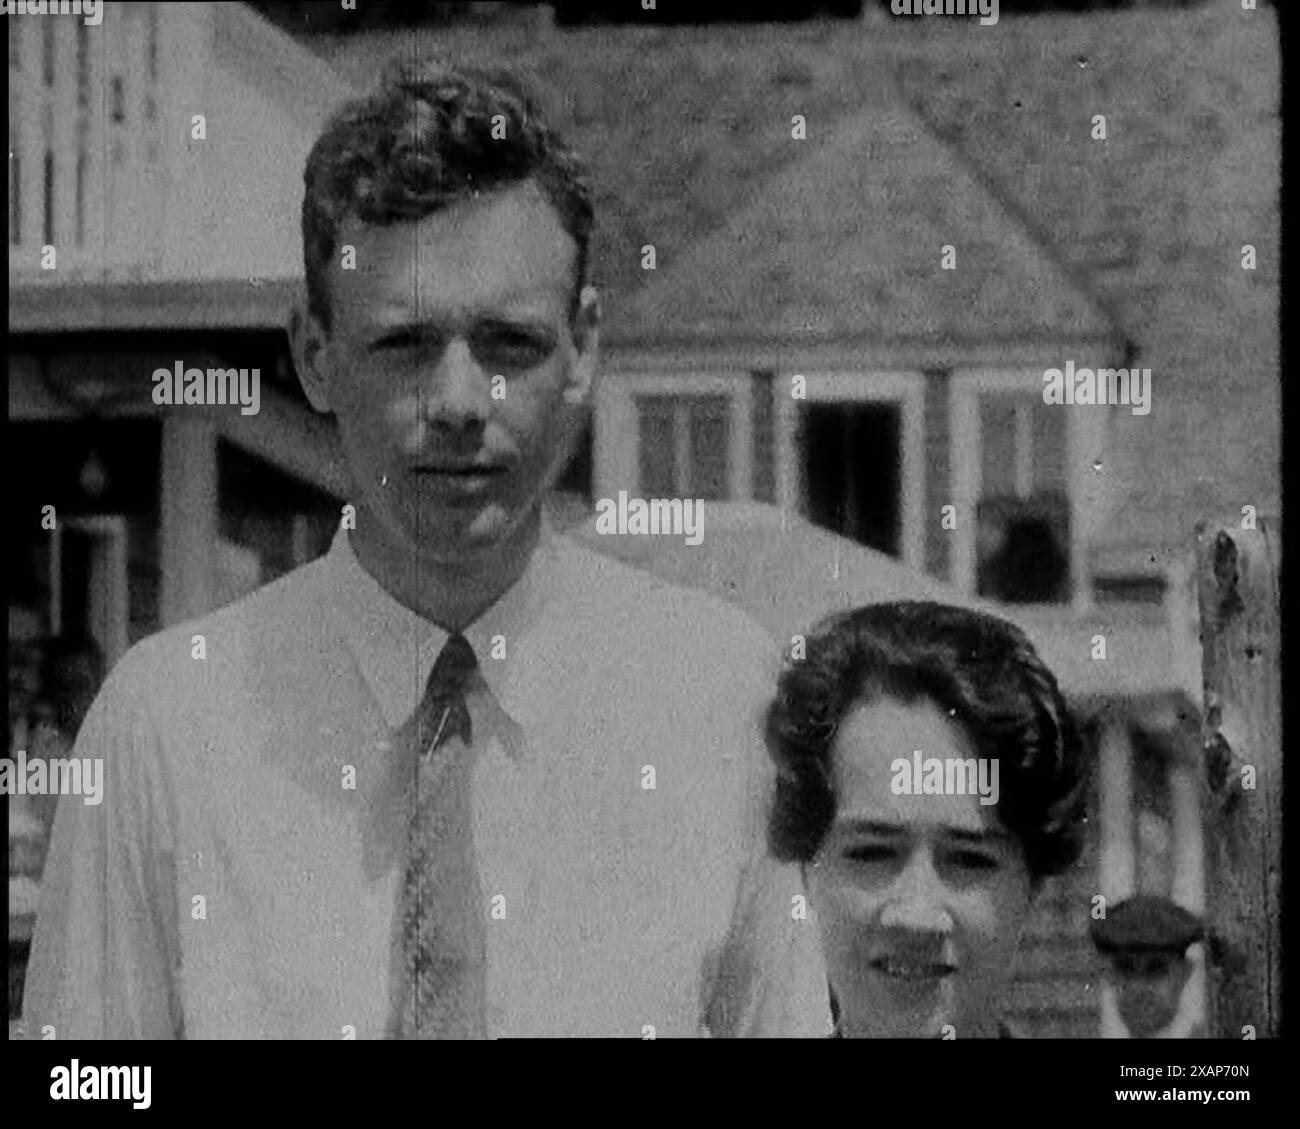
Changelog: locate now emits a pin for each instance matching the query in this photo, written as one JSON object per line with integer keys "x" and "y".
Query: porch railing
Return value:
{"x": 86, "y": 161}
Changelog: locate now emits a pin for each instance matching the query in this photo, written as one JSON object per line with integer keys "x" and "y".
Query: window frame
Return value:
{"x": 1084, "y": 429}
{"x": 617, "y": 436}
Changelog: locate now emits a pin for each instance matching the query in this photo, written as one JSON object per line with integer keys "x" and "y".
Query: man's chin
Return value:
{"x": 456, "y": 533}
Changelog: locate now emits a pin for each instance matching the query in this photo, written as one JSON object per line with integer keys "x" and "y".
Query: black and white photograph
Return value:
{"x": 642, "y": 520}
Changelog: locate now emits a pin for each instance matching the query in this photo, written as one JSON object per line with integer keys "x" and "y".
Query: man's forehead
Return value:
{"x": 505, "y": 246}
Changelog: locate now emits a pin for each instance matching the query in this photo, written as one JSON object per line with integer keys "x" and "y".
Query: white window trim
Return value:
{"x": 617, "y": 464}
{"x": 907, "y": 390}
{"x": 1084, "y": 425}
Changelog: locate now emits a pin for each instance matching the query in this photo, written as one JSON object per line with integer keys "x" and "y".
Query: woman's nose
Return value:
{"x": 918, "y": 900}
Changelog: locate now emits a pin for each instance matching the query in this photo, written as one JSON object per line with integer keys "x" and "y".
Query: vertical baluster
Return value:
{"x": 17, "y": 104}
{"x": 31, "y": 147}
{"x": 94, "y": 139}
{"x": 127, "y": 132}
{"x": 117, "y": 132}
{"x": 134, "y": 248}
{"x": 145, "y": 115}
{"x": 81, "y": 68}
{"x": 185, "y": 79}
{"x": 64, "y": 146}
{"x": 45, "y": 233}
{"x": 171, "y": 21}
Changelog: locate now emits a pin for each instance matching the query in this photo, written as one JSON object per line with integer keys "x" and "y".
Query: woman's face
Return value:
{"x": 921, "y": 898}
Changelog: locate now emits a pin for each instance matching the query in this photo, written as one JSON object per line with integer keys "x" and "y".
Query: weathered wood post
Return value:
{"x": 1237, "y": 582}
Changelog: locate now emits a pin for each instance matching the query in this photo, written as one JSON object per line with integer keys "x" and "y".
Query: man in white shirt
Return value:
{"x": 243, "y": 877}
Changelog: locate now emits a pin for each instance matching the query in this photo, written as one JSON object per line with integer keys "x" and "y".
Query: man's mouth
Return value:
{"x": 460, "y": 483}
{"x": 461, "y": 476}
{"x": 463, "y": 470}
{"x": 907, "y": 968}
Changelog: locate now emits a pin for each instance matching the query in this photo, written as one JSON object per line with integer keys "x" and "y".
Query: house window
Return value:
{"x": 683, "y": 444}
{"x": 1011, "y": 475}
{"x": 674, "y": 436}
{"x": 1023, "y": 512}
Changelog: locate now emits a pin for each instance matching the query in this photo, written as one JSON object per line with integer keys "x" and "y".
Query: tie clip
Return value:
{"x": 442, "y": 727}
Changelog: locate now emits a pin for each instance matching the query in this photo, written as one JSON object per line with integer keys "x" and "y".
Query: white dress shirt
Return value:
{"x": 241, "y": 878}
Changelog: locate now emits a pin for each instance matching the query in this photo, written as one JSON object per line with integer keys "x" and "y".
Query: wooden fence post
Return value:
{"x": 1237, "y": 582}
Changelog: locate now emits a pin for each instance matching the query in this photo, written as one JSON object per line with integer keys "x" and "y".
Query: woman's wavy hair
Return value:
{"x": 980, "y": 669}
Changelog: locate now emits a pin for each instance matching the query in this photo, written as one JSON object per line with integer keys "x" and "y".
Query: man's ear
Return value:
{"x": 309, "y": 341}
{"x": 586, "y": 344}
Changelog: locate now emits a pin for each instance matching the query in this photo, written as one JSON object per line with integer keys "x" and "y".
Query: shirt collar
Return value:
{"x": 396, "y": 648}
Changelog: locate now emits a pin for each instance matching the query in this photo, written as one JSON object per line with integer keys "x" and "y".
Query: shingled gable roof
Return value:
{"x": 1155, "y": 216}
{"x": 844, "y": 246}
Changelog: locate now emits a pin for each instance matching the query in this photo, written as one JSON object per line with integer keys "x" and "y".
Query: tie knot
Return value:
{"x": 454, "y": 667}
{"x": 444, "y": 710}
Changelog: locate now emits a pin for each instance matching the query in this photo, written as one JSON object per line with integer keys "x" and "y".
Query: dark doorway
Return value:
{"x": 852, "y": 455}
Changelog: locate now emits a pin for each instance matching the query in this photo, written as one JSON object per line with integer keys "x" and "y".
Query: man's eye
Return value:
{"x": 405, "y": 342}
{"x": 870, "y": 854}
{"x": 516, "y": 348}
{"x": 974, "y": 860}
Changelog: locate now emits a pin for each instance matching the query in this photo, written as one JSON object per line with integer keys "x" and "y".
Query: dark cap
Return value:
{"x": 1146, "y": 922}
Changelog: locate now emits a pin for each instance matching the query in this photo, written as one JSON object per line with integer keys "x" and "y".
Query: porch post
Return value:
{"x": 188, "y": 518}
{"x": 1118, "y": 858}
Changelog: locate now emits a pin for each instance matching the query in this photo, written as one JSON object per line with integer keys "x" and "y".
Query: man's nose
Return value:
{"x": 919, "y": 898}
{"x": 456, "y": 390}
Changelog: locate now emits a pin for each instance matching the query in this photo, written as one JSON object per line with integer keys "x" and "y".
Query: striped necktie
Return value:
{"x": 444, "y": 938}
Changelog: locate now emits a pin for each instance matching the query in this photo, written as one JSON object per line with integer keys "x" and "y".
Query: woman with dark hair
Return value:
{"x": 929, "y": 778}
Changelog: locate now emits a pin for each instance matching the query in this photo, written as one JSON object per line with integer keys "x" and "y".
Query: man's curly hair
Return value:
{"x": 980, "y": 669}
{"x": 425, "y": 140}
